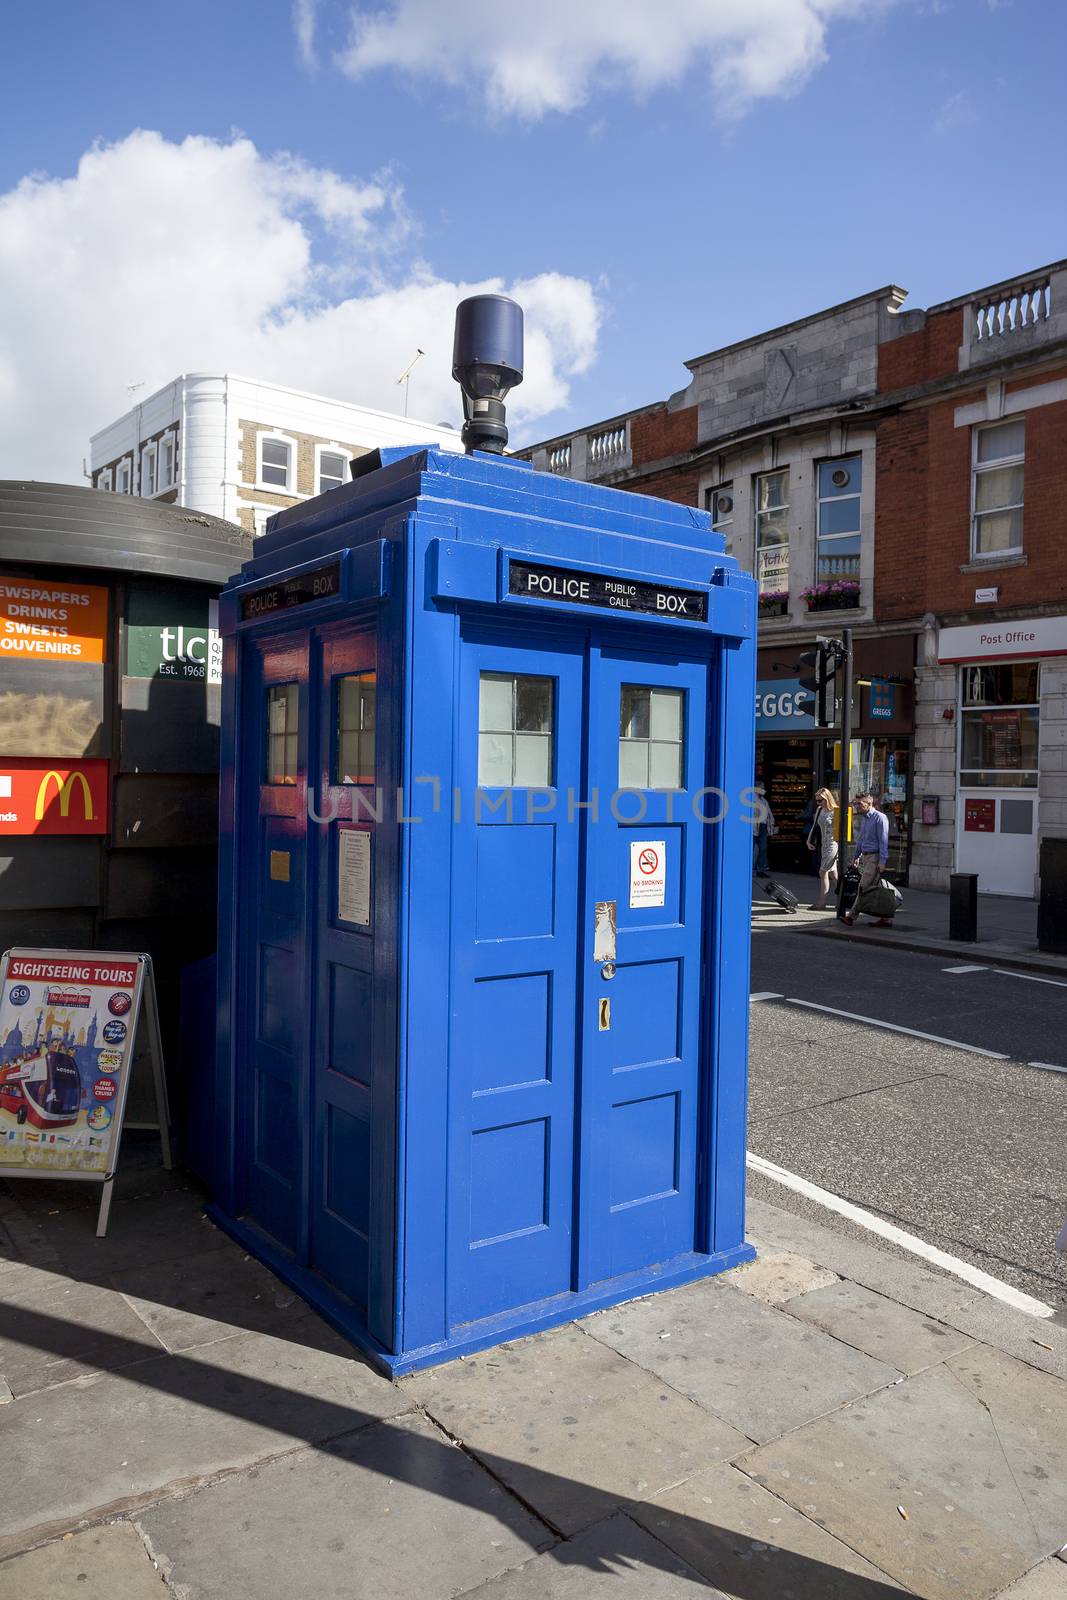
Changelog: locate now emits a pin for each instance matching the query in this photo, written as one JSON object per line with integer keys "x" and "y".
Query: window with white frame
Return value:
{"x": 148, "y": 471}
{"x": 331, "y": 469}
{"x": 997, "y": 517}
{"x": 1000, "y": 710}
{"x": 772, "y": 531}
{"x": 165, "y": 464}
{"x": 275, "y": 461}
{"x": 103, "y": 480}
{"x": 123, "y": 476}
{"x": 838, "y": 519}
{"x": 720, "y": 502}
{"x": 260, "y": 517}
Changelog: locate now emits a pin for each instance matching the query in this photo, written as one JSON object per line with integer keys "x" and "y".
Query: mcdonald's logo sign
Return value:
{"x": 68, "y": 798}
{"x": 64, "y": 789}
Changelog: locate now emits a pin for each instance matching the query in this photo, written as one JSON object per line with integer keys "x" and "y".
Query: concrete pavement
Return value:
{"x": 829, "y": 1423}
{"x": 1007, "y": 928}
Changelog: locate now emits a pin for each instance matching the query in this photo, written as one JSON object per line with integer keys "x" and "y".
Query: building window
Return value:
{"x": 165, "y": 471}
{"x": 283, "y": 732}
{"x": 123, "y": 476}
{"x": 261, "y": 515}
{"x": 838, "y": 525}
{"x": 772, "y": 531}
{"x": 650, "y": 737}
{"x": 997, "y": 522}
{"x": 999, "y": 726}
{"x": 332, "y": 470}
{"x": 275, "y": 462}
{"x": 514, "y": 731}
{"x": 148, "y": 471}
{"x": 103, "y": 480}
{"x": 355, "y": 728}
{"x": 720, "y": 502}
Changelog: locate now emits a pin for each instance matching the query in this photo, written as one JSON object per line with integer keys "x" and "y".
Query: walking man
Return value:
{"x": 872, "y": 852}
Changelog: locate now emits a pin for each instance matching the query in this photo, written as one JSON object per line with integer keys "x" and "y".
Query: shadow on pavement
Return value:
{"x": 325, "y": 1425}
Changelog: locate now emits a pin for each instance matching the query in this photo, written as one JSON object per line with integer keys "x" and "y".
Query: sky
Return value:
{"x": 301, "y": 192}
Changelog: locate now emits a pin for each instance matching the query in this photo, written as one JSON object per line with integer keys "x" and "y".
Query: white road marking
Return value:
{"x": 907, "y": 1241}
{"x": 766, "y": 994}
{"x": 1046, "y": 1066}
{"x": 963, "y": 969}
{"x": 1030, "y": 977}
{"x": 895, "y": 1027}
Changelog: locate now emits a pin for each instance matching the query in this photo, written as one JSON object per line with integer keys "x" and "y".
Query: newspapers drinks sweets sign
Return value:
{"x": 68, "y": 1031}
{"x": 61, "y": 623}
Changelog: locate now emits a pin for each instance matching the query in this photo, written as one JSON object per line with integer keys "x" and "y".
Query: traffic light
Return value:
{"x": 822, "y": 664}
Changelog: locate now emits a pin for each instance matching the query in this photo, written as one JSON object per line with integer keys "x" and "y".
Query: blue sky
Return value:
{"x": 658, "y": 202}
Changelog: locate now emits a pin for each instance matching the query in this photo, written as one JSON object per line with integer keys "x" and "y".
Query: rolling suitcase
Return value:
{"x": 780, "y": 895}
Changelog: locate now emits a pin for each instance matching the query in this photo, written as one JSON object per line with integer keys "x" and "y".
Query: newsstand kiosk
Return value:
{"x": 487, "y": 851}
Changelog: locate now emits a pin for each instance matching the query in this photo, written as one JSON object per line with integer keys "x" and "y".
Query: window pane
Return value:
{"x": 666, "y": 721}
{"x": 998, "y": 530}
{"x": 275, "y": 462}
{"x": 494, "y": 760}
{"x": 533, "y": 705}
{"x": 283, "y": 726}
{"x": 533, "y": 760}
{"x": 355, "y": 728}
{"x": 1007, "y": 439}
{"x": 839, "y": 516}
{"x": 331, "y": 470}
{"x": 1000, "y": 740}
{"x": 849, "y": 471}
{"x": 496, "y": 696}
{"x": 772, "y": 527}
{"x": 633, "y": 764}
{"x": 634, "y": 712}
{"x": 1001, "y": 486}
{"x": 839, "y": 558}
{"x": 772, "y": 489}
{"x": 1015, "y": 684}
{"x": 772, "y": 568}
{"x": 998, "y": 780}
{"x": 665, "y": 766}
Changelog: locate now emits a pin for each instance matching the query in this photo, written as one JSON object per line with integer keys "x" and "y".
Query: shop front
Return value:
{"x": 794, "y": 758}
{"x": 1005, "y": 669}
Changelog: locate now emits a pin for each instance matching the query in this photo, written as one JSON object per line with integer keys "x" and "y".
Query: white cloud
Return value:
{"x": 957, "y": 111}
{"x": 158, "y": 258}
{"x": 304, "y": 29}
{"x": 534, "y": 59}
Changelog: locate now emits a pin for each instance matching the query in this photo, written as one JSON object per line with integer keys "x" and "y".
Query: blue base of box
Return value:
{"x": 472, "y": 1336}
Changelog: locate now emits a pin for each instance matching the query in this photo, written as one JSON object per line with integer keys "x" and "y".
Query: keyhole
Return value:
{"x": 605, "y": 1015}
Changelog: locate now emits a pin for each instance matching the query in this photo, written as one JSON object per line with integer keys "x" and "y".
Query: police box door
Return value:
{"x": 574, "y": 1078}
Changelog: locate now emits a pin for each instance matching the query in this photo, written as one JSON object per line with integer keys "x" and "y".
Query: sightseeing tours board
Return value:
{"x": 68, "y": 1030}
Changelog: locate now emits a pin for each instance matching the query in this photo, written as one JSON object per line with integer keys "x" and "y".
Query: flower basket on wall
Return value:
{"x": 840, "y": 595}
{"x": 773, "y": 603}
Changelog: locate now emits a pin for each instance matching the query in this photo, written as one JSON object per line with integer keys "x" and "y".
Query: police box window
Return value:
{"x": 514, "y": 731}
{"x": 283, "y": 732}
{"x": 355, "y": 728}
{"x": 650, "y": 737}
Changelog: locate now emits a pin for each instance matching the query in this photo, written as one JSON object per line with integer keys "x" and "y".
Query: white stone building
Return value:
{"x": 241, "y": 449}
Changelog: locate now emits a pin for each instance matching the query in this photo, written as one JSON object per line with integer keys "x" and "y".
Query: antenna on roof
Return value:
{"x": 405, "y": 376}
{"x": 132, "y": 388}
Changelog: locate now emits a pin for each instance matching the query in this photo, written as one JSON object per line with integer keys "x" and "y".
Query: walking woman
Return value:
{"x": 823, "y": 839}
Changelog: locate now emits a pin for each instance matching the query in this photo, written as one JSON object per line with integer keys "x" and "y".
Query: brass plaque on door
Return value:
{"x": 279, "y": 866}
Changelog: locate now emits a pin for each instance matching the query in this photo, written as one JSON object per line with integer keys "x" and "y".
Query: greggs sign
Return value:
{"x": 67, "y": 797}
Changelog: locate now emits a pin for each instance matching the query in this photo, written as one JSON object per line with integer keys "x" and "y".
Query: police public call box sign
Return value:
{"x": 322, "y": 583}
{"x": 538, "y": 582}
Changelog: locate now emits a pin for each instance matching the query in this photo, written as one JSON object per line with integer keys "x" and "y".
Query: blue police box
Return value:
{"x": 483, "y": 960}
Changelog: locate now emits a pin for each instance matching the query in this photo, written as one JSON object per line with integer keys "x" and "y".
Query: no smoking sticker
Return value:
{"x": 648, "y": 872}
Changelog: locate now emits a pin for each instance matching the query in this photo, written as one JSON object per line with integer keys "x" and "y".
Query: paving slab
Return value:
{"x": 99, "y": 1445}
{"x": 228, "y": 1292}
{"x": 160, "y": 1227}
{"x": 91, "y": 1329}
{"x": 778, "y": 1275}
{"x": 751, "y": 1364}
{"x": 574, "y": 1428}
{"x": 1046, "y": 1582}
{"x": 893, "y": 1333}
{"x": 615, "y": 1560}
{"x": 752, "y": 1544}
{"x": 108, "y": 1563}
{"x": 392, "y": 1512}
{"x": 975, "y": 1451}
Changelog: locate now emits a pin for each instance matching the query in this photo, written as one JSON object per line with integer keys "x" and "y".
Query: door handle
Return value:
{"x": 605, "y": 1014}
